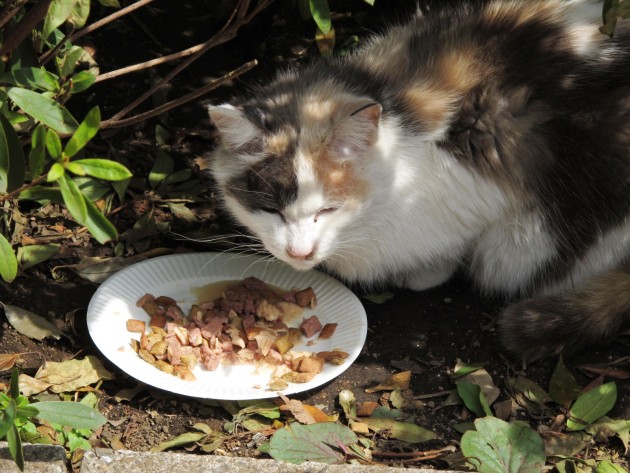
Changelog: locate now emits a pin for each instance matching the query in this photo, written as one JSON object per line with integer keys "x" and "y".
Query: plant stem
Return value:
{"x": 15, "y": 34}
{"x": 147, "y": 64}
{"x": 8, "y": 13}
{"x": 73, "y": 35}
{"x": 226, "y": 33}
{"x": 111, "y": 123}
{"x": 23, "y": 187}
{"x": 108, "y": 19}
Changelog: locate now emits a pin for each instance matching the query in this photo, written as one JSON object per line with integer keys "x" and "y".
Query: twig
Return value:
{"x": 108, "y": 19}
{"x": 16, "y": 33}
{"x": 111, "y": 123}
{"x": 8, "y": 12}
{"x": 147, "y": 64}
{"x": 73, "y": 35}
{"x": 226, "y": 33}
{"x": 23, "y": 187}
{"x": 48, "y": 55}
{"x": 415, "y": 453}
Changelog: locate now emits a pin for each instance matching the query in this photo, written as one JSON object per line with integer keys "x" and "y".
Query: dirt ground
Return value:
{"x": 426, "y": 333}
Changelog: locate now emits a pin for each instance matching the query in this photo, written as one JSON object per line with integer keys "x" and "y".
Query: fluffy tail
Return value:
{"x": 591, "y": 314}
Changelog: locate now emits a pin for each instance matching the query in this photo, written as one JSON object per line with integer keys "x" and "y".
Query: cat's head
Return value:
{"x": 287, "y": 168}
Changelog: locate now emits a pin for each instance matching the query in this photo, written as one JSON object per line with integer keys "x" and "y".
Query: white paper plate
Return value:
{"x": 178, "y": 276}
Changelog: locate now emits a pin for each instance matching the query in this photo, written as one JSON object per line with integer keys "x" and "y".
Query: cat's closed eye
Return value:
{"x": 271, "y": 210}
{"x": 325, "y": 211}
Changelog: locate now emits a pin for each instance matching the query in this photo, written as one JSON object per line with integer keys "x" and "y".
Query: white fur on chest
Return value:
{"x": 423, "y": 210}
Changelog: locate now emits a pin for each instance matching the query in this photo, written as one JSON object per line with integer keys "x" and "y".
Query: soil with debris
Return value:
{"x": 423, "y": 332}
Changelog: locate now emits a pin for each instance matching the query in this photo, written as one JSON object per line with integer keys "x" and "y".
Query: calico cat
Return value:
{"x": 491, "y": 138}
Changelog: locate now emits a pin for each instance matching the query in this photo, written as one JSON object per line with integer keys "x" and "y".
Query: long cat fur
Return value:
{"x": 491, "y": 138}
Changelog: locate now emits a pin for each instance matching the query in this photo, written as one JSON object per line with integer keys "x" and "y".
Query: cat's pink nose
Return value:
{"x": 301, "y": 254}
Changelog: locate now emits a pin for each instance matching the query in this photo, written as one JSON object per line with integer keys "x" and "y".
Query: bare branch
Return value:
{"x": 108, "y": 19}
{"x": 16, "y": 33}
{"x": 226, "y": 33}
{"x": 148, "y": 64}
{"x": 111, "y": 123}
{"x": 8, "y": 12}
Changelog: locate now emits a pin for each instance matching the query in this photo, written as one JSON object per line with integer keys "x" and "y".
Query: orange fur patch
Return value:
{"x": 520, "y": 13}
{"x": 339, "y": 179}
{"x": 431, "y": 104}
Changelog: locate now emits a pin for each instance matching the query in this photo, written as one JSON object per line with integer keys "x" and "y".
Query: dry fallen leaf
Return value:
{"x": 72, "y": 374}
{"x": 304, "y": 413}
{"x": 396, "y": 381}
{"x": 8, "y": 360}
{"x": 30, "y": 324}
{"x": 30, "y": 386}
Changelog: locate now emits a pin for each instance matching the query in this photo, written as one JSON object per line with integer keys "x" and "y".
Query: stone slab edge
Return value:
{"x": 109, "y": 461}
{"x": 52, "y": 459}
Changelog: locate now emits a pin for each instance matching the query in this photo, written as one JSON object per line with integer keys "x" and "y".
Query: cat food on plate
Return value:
{"x": 249, "y": 323}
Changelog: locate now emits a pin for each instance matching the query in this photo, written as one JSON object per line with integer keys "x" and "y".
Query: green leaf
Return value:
{"x": 8, "y": 261}
{"x": 80, "y": 13}
{"x": 499, "y": 447}
{"x": 369, "y": 2}
{"x": 37, "y": 156}
{"x": 297, "y": 443}
{"x": 563, "y": 388}
{"x": 121, "y": 188}
{"x": 68, "y": 62}
{"x": 32, "y": 255}
{"x": 609, "y": 467}
{"x": 180, "y": 440}
{"x": 72, "y": 414}
{"x": 92, "y": 189}
{"x": 15, "y": 446}
{"x": 405, "y": 431}
{"x": 32, "y": 78}
{"x": 467, "y": 369}
{"x": 161, "y": 169}
{"x": 104, "y": 169}
{"x": 75, "y": 168}
{"x": 58, "y": 12}
{"x": 14, "y": 384}
{"x": 109, "y": 3}
{"x": 86, "y": 131}
{"x": 471, "y": 394}
{"x": 57, "y": 171}
{"x": 73, "y": 199}
{"x": 77, "y": 441}
{"x": 591, "y": 406}
{"x": 53, "y": 144}
{"x": 7, "y": 418}
{"x": 43, "y": 109}
{"x": 82, "y": 81}
{"x": 321, "y": 14}
{"x": 98, "y": 225}
{"x": 12, "y": 165}
{"x": 42, "y": 194}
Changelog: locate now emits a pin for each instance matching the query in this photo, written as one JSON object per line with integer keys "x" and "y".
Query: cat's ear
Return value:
{"x": 236, "y": 130}
{"x": 357, "y": 129}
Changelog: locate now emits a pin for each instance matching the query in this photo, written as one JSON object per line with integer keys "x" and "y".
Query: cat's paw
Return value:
{"x": 424, "y": 280}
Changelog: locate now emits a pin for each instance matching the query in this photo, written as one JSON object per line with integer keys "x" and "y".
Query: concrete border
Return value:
{"x": 52, "y": 459}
